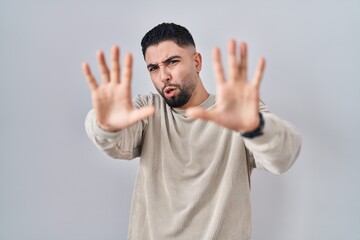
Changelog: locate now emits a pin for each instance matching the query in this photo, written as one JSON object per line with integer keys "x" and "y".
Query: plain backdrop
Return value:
{"x": 54, "y": 183}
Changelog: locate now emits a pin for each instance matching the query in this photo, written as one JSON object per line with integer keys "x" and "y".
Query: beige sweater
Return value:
{"x": 193, "y": 181}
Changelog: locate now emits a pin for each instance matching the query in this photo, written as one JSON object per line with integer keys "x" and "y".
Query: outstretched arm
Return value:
{"x": 238, "y": 106}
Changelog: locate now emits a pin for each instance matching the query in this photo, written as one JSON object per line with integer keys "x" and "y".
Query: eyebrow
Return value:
{"x": 166, "y": 61}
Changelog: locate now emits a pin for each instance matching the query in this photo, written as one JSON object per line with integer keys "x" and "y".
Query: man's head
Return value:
{"x": 167, "y": 31}
{"x": 174, "y": 65}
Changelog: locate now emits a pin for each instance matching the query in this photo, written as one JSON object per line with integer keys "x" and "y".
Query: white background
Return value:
{"x": 54, "y": 184}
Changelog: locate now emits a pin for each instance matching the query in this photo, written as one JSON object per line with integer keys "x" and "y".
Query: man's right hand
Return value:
{"x": 111, "y": 100}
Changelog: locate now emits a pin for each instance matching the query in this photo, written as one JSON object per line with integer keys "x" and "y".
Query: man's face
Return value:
{"x": 174, "y": 71}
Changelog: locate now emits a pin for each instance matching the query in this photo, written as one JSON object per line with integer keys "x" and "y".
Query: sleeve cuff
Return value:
{"x": 267, "y": 139}
{"x": 97, "y": 131}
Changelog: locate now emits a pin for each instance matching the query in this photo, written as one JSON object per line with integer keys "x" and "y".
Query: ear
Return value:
{"x": 198, "y": 61}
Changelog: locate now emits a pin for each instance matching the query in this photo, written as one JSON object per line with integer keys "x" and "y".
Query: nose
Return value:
{"x": 164, "y": 73}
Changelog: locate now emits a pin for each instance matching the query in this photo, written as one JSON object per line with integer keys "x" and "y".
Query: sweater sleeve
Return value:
{"x": 279, "y": 146}
{"x": 124, "y": 144}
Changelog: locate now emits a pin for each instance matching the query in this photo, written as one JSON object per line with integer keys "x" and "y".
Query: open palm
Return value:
{"x": 237, "y": 99}
{"x": 112, "y": 101}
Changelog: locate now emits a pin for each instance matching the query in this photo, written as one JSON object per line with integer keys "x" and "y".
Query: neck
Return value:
{"x": 200, "y": 95}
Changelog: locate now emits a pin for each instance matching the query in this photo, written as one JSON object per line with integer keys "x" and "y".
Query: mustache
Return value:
{"x": 170, "y": 85}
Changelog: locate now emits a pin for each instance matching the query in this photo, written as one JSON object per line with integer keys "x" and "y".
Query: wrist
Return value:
{"x": 106, "y": 128}
{"x": 256, "y": 132}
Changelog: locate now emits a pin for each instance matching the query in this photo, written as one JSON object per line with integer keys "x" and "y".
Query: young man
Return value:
{"x": 196, "y": 150}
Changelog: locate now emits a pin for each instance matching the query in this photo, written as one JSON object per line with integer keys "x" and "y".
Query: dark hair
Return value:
{"x": 167, "y": 31}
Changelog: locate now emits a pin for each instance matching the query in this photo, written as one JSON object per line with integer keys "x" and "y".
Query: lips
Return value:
{"x": 170, "y": 91}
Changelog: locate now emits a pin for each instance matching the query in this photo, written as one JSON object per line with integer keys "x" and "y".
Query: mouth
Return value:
{"x": 170, "y": 91}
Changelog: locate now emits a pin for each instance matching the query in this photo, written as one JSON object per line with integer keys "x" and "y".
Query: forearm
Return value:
{"x": 279, "y": 146}
{"x": 124, "y": 144}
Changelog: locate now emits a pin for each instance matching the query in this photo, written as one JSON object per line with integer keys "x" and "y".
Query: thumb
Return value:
{"x": 197, "y": 112}
{"x": 142, "y": 113}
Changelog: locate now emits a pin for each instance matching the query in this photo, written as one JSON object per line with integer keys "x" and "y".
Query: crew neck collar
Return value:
{"x": 205, "y": 105}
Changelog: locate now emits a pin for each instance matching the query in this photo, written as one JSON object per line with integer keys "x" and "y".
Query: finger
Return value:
{"x": 115, "y": 65}
{"x": 142, "y": 113}
{"x": 259, "y": 73}
{"x": 197, "y": 112}
{"x": 218, "y": 67}
{"x": 89, "y": 77}
{"x": 104, "y": 71}
{"x": 232, "y": 63}
{"x": 127, "y": 73}
{"x": 243, "y": 61}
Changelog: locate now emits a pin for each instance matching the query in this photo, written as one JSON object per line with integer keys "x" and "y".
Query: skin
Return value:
{"x": 237, "y": 102}
{"x": 237, "y": 99}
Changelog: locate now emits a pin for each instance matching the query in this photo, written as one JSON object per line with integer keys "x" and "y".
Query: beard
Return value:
{"x": 186, "y": 90}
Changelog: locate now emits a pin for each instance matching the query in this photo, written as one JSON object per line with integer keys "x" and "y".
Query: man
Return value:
{"x": 196, "y": 150}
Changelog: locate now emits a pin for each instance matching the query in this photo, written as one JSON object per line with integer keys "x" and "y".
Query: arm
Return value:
{"x": 237, "y": 108}
{"x": 114, "y": 124}
{"x": 278, "y": 147}
{"x": 123, "y": 144}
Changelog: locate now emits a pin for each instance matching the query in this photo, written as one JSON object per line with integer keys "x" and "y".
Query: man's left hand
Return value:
{"x": 237, "y": 103}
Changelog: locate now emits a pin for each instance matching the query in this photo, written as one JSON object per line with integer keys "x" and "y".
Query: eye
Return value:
{"x": 173, "y": 62}
{"x": 152, "y": 69}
